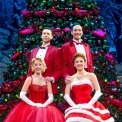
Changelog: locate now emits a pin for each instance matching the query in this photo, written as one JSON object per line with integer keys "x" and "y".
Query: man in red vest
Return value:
{"x": 70, "y": 48}
{"x": 52, "y": 57}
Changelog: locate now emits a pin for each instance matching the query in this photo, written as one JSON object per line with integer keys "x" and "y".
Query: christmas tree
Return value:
{"x": 60, "y": 15}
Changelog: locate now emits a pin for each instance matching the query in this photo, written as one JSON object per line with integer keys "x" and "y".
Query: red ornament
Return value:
{"x": 26, "y": 13}
{"x": 67, "y": 30}
{"x": 16, "y": 83}
{"x": 99, "y": 33}
{"x": 27, "y": 30}
{"x": 37, "y": 27}
{"x": 85, "y": 39}
{"x": 116, "y": 103}
{"x": 58, "y": 13}
{"x": 22, "y": 78}
{"x": 110, "y": 58}
{"x": 57, "y": 31}
{"x": 79, "y": 13}
{"x": 40, "y": 13}
{"x": 15, "y": 56}
{"x": 3, "y": 108}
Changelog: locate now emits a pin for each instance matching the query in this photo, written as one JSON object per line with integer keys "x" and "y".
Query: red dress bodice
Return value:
{"x": 37, "y": 93}
{"x": 81, "y": 93}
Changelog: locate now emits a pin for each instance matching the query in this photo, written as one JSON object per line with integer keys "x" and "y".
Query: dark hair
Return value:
{"x": 79, "y": 55}
{"x": 75, "y": 25}
{"x": 47, "y": 29}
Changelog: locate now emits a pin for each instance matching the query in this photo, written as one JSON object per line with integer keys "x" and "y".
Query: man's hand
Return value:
{"x": 48, "y": 79}
{"x": 68, "y": 79}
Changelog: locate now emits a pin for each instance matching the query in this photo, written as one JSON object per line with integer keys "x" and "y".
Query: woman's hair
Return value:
{"x": 79, "y": 55}
{"x": 42, "y": 62}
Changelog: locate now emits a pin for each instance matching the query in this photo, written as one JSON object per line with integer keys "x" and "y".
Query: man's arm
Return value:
{"x": 29, "y": 68}
{"x": 57, "y": 65}
{"x": 89, "y": 58}
{"x": 64, "y": 57}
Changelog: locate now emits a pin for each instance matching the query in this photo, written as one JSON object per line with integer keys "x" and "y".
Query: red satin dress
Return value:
{"x": 81, "y": 90}
{"x": 23, "y": 112}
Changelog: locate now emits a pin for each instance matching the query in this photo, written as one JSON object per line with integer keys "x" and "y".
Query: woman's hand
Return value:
{"x": 38, "y": 105}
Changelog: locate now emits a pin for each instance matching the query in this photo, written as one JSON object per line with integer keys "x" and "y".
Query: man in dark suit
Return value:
{"x": 51, "y": 56}
{"x": 70, "y": 48}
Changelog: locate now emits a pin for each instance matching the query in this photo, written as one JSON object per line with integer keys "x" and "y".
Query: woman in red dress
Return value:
{"x": 37, "y": 107}
{"x": 84, "y": 108}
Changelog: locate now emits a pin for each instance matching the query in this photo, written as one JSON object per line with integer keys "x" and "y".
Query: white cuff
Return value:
{"x": 25, "y": 99}
{"x": 49, "y": 100}
{"x": 53, "y": 80}
{"x": 69, "y": 100}
{"x": 95, "y": 97}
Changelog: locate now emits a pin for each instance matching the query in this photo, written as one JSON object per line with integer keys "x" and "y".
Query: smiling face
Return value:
{"x": 38, "y": 66}
{"x": 79, "y": 61}
{"x": 46, "y": 36}
{"x": 77, "y": 32}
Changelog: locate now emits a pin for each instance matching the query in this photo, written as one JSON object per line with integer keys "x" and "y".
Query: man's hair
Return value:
{"x": 76, "y": 23}
{"x": 47, "y": 29}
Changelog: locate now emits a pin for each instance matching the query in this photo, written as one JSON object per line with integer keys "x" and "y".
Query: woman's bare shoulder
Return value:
{"x": 73, "y": 76}
{"x": 90, "y": 74}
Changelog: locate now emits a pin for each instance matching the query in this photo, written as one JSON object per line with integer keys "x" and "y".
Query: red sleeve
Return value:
{"x": 29, "y": 68}
{"x": 89, "y": 58}
{"x": 57, "y": 65}
{"x": 64, "y": 61}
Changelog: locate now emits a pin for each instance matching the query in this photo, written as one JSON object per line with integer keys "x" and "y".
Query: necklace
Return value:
{"x": 38, "y": 77}
{"x": 80, "y": 76}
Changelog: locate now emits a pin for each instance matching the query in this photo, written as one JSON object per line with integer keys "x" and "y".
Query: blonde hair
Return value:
{"x": 79, "y": 55}
{"x": 42, "y": 62}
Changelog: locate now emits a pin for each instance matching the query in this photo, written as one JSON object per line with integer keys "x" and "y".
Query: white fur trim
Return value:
{"x": 105, "y": 111}
{"x": 90, "y": 114}
{"x": 78, "y": 119}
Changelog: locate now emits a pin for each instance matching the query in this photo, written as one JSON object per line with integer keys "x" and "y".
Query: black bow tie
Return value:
{"x": 42, "y": 47}
{"x": 77, "y": 43}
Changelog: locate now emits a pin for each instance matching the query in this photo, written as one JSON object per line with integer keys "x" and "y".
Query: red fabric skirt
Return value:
{"x": 95, "y": 113}
{"x": 23, "y": 112}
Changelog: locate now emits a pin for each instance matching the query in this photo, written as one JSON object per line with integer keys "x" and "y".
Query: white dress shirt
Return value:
{"x": 42, "y": 52}
{"x": 80, "y": 49}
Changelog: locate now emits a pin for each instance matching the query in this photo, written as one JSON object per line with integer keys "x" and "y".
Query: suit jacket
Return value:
{"x": 67, "y": 51}
{"x": 53, "y": 63}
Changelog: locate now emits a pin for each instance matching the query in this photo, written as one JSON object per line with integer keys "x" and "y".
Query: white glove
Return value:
{"x": 49, "y": 100}
{"x": 95, "y": 97}
{"x": 38, "y": 105}
{"x": 69, "y": 100}
{"x": 25, "y": 99}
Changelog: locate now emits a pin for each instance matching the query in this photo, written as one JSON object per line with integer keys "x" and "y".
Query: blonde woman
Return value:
{"x": 37, "y": 107}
